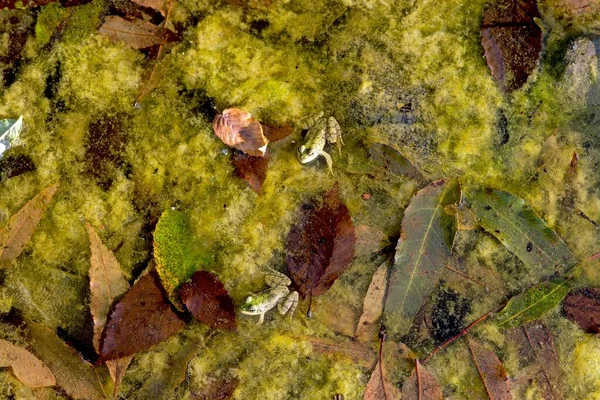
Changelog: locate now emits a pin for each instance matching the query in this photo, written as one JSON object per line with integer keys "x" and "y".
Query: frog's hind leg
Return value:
{"x": 334, "y": 133}
{"x": 275, "y": 278}
{"x": 288, "y": 304}
{"x": 328, "y": 159}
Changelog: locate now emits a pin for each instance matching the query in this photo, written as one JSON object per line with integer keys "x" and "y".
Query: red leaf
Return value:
{"x": 137, "y": 33}
{"x": 421, "y": 385}
{"x": 237, "y": 128}
{"x": 207, "y": 299}
{"x": 492, "y": 372}
{"x": 320, "y": 246}
{"x": 583, "y": 308}
{"x": 140, "y": 320}
{"x": 276, "y": 133}
{"x": 250, "y": 168}
{"x": 512, "y": 41}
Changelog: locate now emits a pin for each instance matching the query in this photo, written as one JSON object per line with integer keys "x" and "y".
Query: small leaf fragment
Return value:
{"x": 237, "y": 128}
{"x": 491, "y": 371}
{"x": 158, "y": 5}
{"x": 136, "y": 33}
{"x": 26, "y": 367}
{"x": 217, "y": 389}
{"x": 370, "y": 240}
{"x": 207, "y": 299}
{"x": 10, "y": 130}
{"x": 21, "y": 226}
{"x": 140, "y": 320}
{"x": 582, "y": 307}
{"x": 277, "y": 133}
{"x": 421, "y": 385}
{"x": 374, "y": 299}
{"x": 252, "y": 169}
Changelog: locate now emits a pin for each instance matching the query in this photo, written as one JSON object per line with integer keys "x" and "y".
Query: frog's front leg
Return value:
{"x": 328, "y": 159}
{"x": 288, "y": 304}
{"x": 334, "y": 133}
{"x": 261, "y": 319}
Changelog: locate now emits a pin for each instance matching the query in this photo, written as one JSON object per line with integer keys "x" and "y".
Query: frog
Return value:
{"x": 321, "y": 131}
{"x": 277, "y": 294}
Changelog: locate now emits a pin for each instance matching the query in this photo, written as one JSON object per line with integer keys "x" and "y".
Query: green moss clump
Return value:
{"x": 47, "y": 21}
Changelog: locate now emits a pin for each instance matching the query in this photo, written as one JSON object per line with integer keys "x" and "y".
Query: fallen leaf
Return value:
{"x": 533, "y": 302}
{"x": 26, "y": 367}
{"x": 392, "y": 161}
{"x": 217, "y": 389}
{"x": 75, "y": 376}
{"x": 582, "y": 307}
{"x": 423, "y": 249}
{"x": 465, "y": 218}
{"x": 140, "y": 320}
{"x": 355, "y": 351}
{"x": 136, "y": 33}
{"x": 320, "y": 246}
{"x": 521, "y": 231}
{"x": 116, "y": 370}
{"x": 10, "y": 130}
{"x": 370, "y": 240}
{"x": 491, "y": 371}
{"x": 421, "y": 385}
{"x": 252, "y": 169}
{"x": 379, "y": 386}
{"x": 277, "y": 133}
{"x": 207, "y": 299}
{"x": 373, "y": 302}
{"x": 512, "y": 41}
{"x": 21, "y": 226}
{"x": 158, "y": 5}
{"x": 14, "y": 165}
{"x": 237, "y": 128}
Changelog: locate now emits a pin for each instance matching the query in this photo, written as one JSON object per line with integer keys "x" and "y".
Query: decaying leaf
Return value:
{"x": 370, "y": 240}
{"x": 75, "y": 376}
{"x": 158, "y": 5}
{"x": 379, "y": 386}
{"x": 207, "y": 299}
{"x": 136, "y": 33}
{"x": 520, "y": 229}
{"x": 423, "y": 250}
{"x": 512, "y": 41}
{"x": 21, "y": 226}
{"x": 217, "y": 389}
{"x": 26, "y": 367}
{"x": 465, "y": 218}
{"x": 492, "y": 372}
{"x": 237, "y": 128}
{"x": 534, "y": 302}
{"x": 374, "y": 299}
{"x": 421, "y": 385}
{"x": 320, "y": 246}
{"x": 392, "y": 161}
{"x": 582, "y": 306}
{"x": 14, "y": 165}
{"x": 140, "y": 320}
{"x": 252, "y": 169}
{"x": 357, "y": 352}
{"x": 10, "y": 129}
{"x": 277, "y": 133}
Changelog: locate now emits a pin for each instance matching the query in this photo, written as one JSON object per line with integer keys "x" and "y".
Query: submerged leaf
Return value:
{"x": 277, "y": 133}
{"x": 583, "y": 307}
{"x": 374, "y": 299}
{"x": 207, "y": 299}
{"x": 15, "y": 165}
{"x": 320, "y": 246}
{"x": 423, "y": 250}
{"x": 519, "y": 228}
{"x": 379, "y": 386}
{"x": 512, "y": 41}
{"x": 421, "y": 385}
{"x": 492, "y": 372}
{"x": 21, "y": 226}
{"x": 237, "y": 128}
{"x": 10, "y": 129}
{"x": 541, "y": 342}
{"x": 355, "y": 351}
{"x": 217, "y": 389}
{"x": 140, "y": 320}
{"x": 137, "y": 33}
{"x": 158, "y": 5}
{"x": 27, "y": 367}
{"x": 370, "y": 240}
{"x": 252, "y": 169}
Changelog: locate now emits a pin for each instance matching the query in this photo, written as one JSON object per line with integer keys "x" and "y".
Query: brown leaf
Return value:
{"x": 379, "y": 386}
{"x": 512, "y": 41}
{"x": 276, "y": 133}
{"x": 583, "y": 307}
{"x": 541, "y": 341}
{"x": 217, "y": 389}
{"x": 140, "y": 320}
{"x": 492, "y": 372}
{"x": 421, "y": 385}
{"x": 320, "y": 246}
{"x": 117, "y": 369}
{"x": 207, "y": 299}
{"x": 250, "y": 168}
{"x": 370, "y": 240}
{"x": 158, "y": 5}
{"x": 137, "y": 33}
{"x": 355, "y": 351}
{"x": 373, "y": 302}
{"x": 237, "y": 128}
{"x": 27, "y": 367}
{"x": 74, "y": 375}
{"x": 21, "y": 226}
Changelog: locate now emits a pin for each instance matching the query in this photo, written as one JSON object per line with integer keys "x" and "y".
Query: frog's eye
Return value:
{"x": 302, "y": 148}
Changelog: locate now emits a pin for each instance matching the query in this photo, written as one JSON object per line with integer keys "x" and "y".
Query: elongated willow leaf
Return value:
{"x": 522, "y": 231}
{"x": 422, "y": 252}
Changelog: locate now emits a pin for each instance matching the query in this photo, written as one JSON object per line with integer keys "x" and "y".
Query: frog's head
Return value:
{"x": 306, "y": 153}
{"x": 250, "y": 306}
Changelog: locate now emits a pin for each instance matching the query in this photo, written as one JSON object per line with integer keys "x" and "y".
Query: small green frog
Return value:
{"x": 277, "y": 294}
{"x": 322, "y": 130}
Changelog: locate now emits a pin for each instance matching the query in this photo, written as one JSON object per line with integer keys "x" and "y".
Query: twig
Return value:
{"x": 382, "y": 336}
{"x": 418, "y": 379}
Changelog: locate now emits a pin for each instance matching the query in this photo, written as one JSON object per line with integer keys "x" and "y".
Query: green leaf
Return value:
{"x": 522, "y": 231}
{"x": 422, "y": 252}
{"x": 534, "y": 302}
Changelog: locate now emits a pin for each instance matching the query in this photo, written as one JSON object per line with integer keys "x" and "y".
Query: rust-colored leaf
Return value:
{"x": 158, "y": 5}
{"x": 320, "y": 246}
{"x": 207, "y": 299}
{"x": 21, "y": 226}
{"x": 26, "y": 367}
{"x": 373, "y": 302}
{"x": 379, "y": 386}
{"x": 252, "y": 169}
{"x": 217, "y": 389}
{"x": 136, "y": 33}
{"x": 237, "y": 128}
{"x": 276, "y": 133}
{"x": 492, "y": 372}
{"x": 421, "y": 385}
{"x": 512, "y": 41}
{"x": 140, "y": 320}
{"x": 583, "y": 307}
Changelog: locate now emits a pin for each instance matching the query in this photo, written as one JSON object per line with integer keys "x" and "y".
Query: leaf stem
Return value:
{"x": 382, "y": 336}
